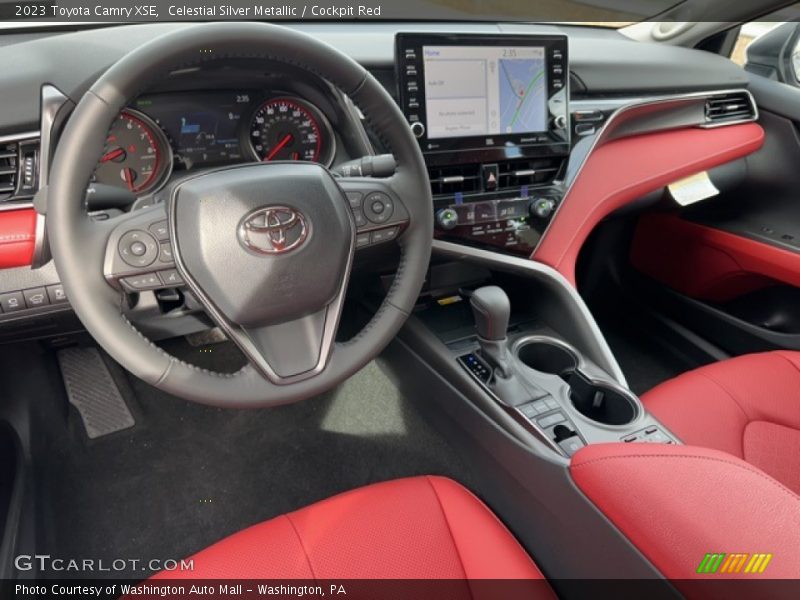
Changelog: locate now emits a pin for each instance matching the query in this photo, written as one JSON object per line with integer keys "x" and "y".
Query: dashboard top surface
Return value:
{"x": 604, "y": 61}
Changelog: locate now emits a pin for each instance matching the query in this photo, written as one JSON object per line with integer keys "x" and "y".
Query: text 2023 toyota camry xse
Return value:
{"x": 402, "y": 309}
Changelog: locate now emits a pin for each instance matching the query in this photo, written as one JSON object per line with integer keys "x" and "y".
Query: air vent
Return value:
{"x": 539, "y": 171}
{"x": 8, "y": 169}
{"x": 512, "y": 174}
{"x": 725, "y": 109}
{"x": 465, "y": 179}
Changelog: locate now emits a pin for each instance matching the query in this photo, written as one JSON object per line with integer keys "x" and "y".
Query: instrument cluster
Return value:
{"x": 162, "y": 132}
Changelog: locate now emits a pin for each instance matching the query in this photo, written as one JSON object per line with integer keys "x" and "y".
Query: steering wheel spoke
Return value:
{"x": 139, "y": 253}
{"x": 379, "y": 213}
{"x": 293, "y": 350}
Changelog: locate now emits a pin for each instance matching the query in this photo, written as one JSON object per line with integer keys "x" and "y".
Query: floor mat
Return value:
{"x": 92, "y": 391}
{"x": 187, "y": 475}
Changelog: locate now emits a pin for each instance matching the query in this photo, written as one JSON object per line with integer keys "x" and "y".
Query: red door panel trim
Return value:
{"x": 624, "y": 170}
{"x": 723, "y": 265}
{"x": 17, "y": 237}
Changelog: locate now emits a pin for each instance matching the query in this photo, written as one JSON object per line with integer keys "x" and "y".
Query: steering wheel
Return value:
{"x": 266, "y": 248}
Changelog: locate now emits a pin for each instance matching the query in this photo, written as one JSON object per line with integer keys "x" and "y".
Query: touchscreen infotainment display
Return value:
{"x": 492, "y": 96}
{"x": 484, "y": 90}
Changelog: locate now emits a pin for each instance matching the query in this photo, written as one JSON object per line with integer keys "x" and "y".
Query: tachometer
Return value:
{"x": 136, "y": 155}
{"x": 290, "y": 129}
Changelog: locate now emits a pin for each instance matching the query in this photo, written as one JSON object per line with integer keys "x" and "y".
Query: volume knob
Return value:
{"x": 418, "y": 129}
{"x": 446, "y": 219}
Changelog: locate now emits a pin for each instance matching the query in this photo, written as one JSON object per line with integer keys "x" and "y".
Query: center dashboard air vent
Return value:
{"x": 9, "y": 156}
{"x": 725, "y": 109}
{"x": 468, "y": 179}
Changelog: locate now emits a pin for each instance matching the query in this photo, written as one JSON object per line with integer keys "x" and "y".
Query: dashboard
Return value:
{"x": 496, "y": 183}
{"x": 182, "y": 131}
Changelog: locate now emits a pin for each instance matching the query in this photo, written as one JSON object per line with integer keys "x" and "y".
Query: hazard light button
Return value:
{"x": 489, "y": 174}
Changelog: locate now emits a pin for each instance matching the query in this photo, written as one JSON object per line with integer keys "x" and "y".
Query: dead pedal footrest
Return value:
{"x": 92, "y": 390}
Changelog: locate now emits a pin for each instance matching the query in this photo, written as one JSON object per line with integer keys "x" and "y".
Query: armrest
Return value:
{"x": 678, "y": 503}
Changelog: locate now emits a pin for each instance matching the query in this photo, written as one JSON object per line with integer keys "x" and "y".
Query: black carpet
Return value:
{"x": 187, "y": 475}
{"x": 643, "y": 358}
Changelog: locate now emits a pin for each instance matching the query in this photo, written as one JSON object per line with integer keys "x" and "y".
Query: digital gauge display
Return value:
{"x": 204, "y": 127}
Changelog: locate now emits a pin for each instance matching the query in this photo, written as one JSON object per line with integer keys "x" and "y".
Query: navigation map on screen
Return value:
{"x": 484, "y": 90}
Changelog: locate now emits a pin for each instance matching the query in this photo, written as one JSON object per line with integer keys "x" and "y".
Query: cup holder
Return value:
{"x": 598, "y": 401}
{"x": 547, "y": 356}
{"x": 602, "y": 402}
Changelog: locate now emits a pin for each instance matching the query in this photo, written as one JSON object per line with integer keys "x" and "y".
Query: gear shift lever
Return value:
{"x": 491, "y": 309}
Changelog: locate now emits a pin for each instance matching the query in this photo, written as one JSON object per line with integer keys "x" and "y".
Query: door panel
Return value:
{"x": 729, "y": 267}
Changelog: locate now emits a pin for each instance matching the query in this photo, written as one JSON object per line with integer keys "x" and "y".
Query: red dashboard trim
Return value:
{"x": 17, "y": 237}
{"x": 623, "y": 170}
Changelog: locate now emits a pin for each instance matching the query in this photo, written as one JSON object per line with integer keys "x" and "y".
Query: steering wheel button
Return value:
{"x": 160, "y": 230}
{"x": 360, "y": 219}
{"x": 165, "y": 253}
{"x": 171, "y": 278}
{"x": 362, "y": 239}
{"x": 354, "y": 198}
{"x": 138, "y": 248}
{"x": 384, "y": 235}
{"x": 378, "y": 207}
{"x": 137, "y": 283}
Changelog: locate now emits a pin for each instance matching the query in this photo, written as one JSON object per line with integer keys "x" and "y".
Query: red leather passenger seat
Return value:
{"x": 747, "y": 406}
{"x": 416, "y": 528}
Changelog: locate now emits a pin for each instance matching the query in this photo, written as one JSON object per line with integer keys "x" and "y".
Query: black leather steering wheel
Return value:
{"x": 266, "y": 248}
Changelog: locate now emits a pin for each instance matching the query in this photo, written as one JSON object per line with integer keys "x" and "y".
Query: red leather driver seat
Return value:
{"x": 747, "y": 406}
{"x": 416, "y": 528}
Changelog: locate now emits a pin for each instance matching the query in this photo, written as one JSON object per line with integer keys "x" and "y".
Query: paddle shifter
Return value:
{"x": 491, "y": 309}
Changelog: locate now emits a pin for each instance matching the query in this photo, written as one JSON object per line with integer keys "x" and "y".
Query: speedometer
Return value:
{"x": 290, "y": 129}
{"x": 136, "y": 155}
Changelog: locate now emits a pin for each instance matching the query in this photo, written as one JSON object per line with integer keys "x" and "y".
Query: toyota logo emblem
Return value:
{"x": 273, "y": 230}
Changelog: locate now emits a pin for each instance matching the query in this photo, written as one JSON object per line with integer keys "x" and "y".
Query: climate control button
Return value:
{"x": 446, "y": 219}
{"x": 542, "y": 207}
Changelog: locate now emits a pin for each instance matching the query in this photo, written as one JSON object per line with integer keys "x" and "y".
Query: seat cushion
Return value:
{"x": 747, "y": 406}
{"x": 416, "y": 528}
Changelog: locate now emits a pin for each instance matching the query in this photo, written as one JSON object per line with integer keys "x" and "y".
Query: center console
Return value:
{"x": 546, "y": 384}
{"x": 491, "y": 116}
